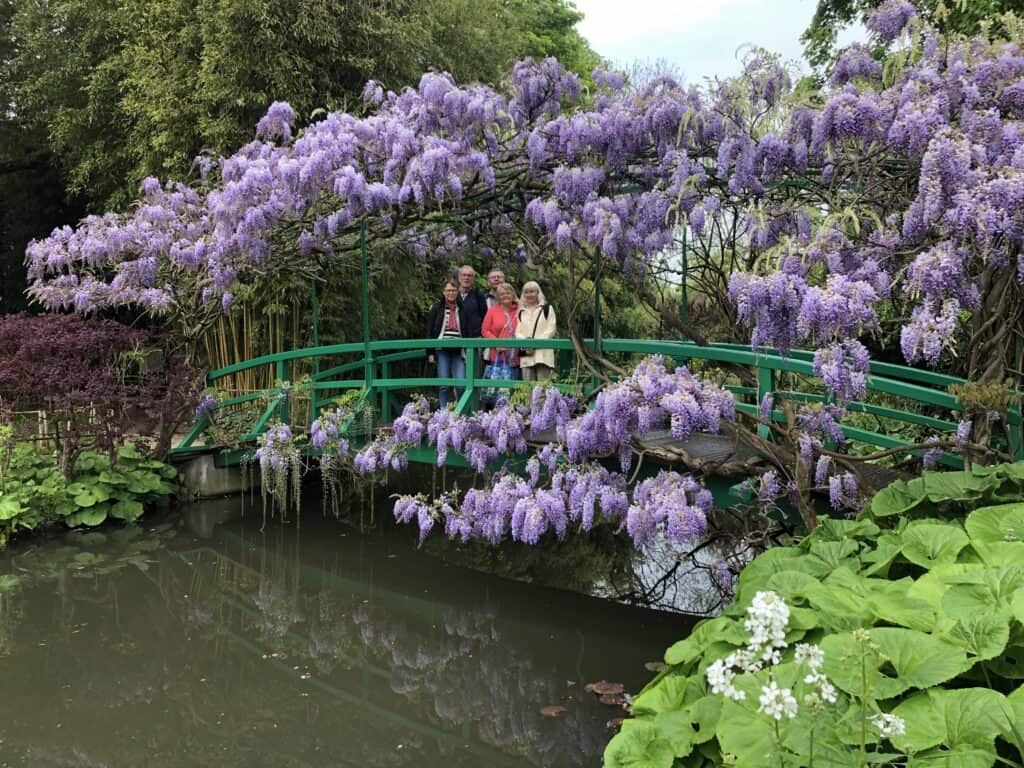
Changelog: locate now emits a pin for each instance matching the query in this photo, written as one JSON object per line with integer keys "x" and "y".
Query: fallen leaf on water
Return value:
{"x": 603, "y": 687}
{"x": 655, "y": 666}
{"x": 554, "y": 711}
{"x": 612, "y": 699}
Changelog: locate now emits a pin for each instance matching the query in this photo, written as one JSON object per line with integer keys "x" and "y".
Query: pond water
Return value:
{"x": 196, "y": 639}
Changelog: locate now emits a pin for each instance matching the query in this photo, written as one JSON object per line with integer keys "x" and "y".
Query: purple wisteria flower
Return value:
{"x": 890, "y": 19}
{"x": 676, "y": 503}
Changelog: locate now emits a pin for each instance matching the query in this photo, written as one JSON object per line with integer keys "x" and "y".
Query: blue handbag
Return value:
{"x": 499, "y": 370}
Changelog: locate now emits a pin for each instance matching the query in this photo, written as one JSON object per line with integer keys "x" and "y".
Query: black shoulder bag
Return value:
{"x": 544, "y": 311}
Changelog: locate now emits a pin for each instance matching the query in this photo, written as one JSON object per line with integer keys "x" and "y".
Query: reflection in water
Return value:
{"x": 285, "y": 648}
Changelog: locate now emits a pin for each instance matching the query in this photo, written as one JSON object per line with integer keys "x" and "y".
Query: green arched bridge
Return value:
{"x": 903, "y": 404}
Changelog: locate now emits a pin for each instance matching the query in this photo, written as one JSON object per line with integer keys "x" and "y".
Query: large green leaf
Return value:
{"x": 984, "y": 636}
{"x": 905, "y": 659}
{"x": 989, "y": 590}
{"x": 667, "y": 694}
{"x": 9, "y": 508}
{"x": 128, "y": 452}
{"x": 676, "y": 727}
{"x": 842, "y": 600}
{"x": 834, "y": 554}
{"x": 85, "y": 499}
{"x": 792, "y": 586}
{"x": 927, "y": 543}
{"x": 885, "y": 549}
{"x": 756, "y": 573}
{"x": 997, "y": 524}
{"x": 127, "y": 510}
{"x": 953, "y": 486}
{"x": 1012, "y": 720}
{"x": 745, "y": 733}
{"x": 113, "y": 478}
{"x": 972, "y": 715}
{"x": 961, "y": 757}
{"x": 99, "y": 492}
{"x": 997, "y": 554}
{"x": 841, "y": 529}
{"x": 964, "y": 722}
{"x": 898, "y": 608}
{"x": 639, "y": 745}
{"x": 704, "y": 715}
{"x": 1010, "y": 663}
{"x": 88, "y": 516}
{"x": 925, "y": 724}
{"x": 721, "y": 628}
{"x": 895, "y": 499}
{"x": 931, "y": 586}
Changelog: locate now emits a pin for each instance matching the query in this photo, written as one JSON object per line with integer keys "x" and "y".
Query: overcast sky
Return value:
{"x": 698, "y": 37}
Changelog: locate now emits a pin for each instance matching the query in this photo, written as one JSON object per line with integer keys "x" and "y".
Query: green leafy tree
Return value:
{"x": 968, "y": 17}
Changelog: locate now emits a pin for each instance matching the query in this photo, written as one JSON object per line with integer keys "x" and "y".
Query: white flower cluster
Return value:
{"x": 776, "y": 702}
{"x": 768, "y": 616}
{"x": 889, "y": 725}
{"x": 721, "y": 676}
{"x": 813, "y": 657}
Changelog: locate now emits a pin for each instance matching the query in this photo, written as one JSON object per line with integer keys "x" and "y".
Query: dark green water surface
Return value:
{"x": 195, "y": 639}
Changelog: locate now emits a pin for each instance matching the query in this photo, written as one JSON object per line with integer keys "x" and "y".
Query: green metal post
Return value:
{"x": 284, "y": 368}
{"x": 385, "y": 397}
{"x": 316, "y": 317}
{"x": 365, "y": 288}
{"x": 314, "y": 403}
{"x": 765, "y": 385}
{"x": 684, "y": 312}
{"x": 597, "y": 304}
{"x": 1018, "y": 449}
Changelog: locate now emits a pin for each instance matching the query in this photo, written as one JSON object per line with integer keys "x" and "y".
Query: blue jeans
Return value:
{"x": 450, "y": 365}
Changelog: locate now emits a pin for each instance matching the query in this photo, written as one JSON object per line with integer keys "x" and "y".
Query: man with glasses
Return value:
{"x": 472, "y": 300}
{"x": 494, "y": 278}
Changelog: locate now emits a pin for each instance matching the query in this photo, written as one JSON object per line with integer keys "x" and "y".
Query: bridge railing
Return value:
{"x": 371, "y": 369}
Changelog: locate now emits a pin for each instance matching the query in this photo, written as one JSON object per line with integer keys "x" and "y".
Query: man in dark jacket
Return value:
{"x": 473, "y": 301}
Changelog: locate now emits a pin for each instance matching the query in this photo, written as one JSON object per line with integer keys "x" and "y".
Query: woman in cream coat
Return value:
{"x": 536, "y": 321}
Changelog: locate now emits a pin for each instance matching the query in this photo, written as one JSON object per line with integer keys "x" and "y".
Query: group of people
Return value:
{"x": 464, "y": 311}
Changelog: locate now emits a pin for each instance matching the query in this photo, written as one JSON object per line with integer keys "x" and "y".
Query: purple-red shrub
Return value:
{"x": 97, "y": 380}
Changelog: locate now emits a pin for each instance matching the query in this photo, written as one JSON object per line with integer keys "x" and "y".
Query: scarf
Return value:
{"x": 451, "y": 316}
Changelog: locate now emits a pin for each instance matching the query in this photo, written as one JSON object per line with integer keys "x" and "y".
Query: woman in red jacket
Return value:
{"x": 500, "y": 323}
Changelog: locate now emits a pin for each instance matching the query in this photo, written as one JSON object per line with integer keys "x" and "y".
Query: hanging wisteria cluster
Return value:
{"x": 563, "y": 485}
{"x": 280, "y": 467}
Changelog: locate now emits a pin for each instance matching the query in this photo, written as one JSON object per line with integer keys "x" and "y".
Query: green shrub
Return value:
{"x": 918, "y": 606}
{"x": 34, "y": 493}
